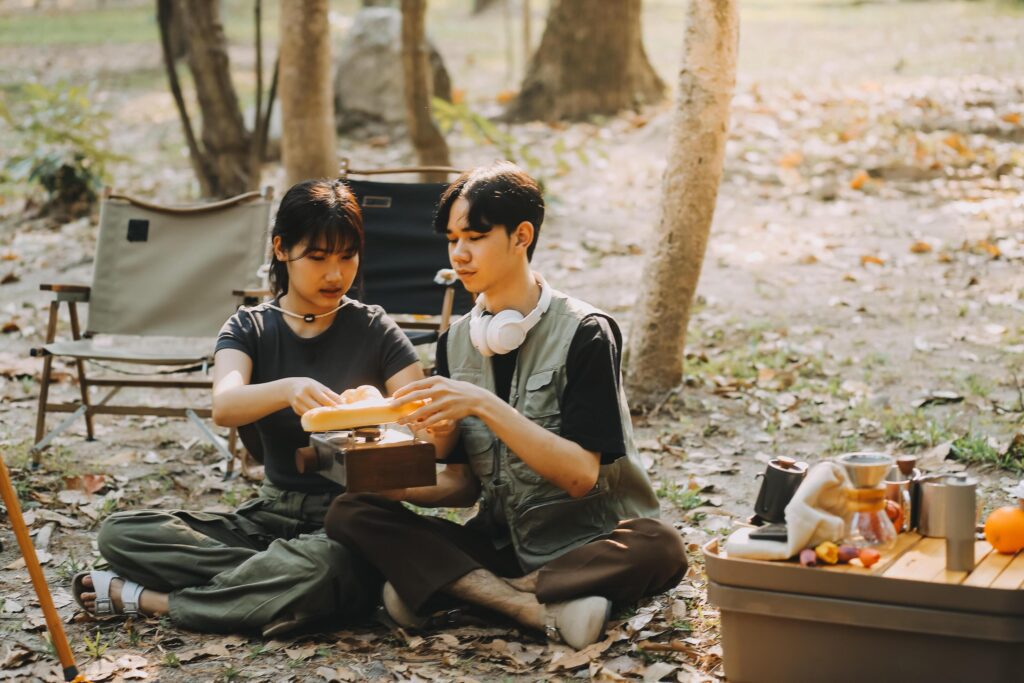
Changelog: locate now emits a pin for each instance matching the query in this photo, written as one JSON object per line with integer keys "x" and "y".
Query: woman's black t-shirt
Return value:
{"x": 362, "y": 346}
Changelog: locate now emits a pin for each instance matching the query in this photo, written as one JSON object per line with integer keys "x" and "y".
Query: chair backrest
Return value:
{"x": 403, "y": 253}
{"x": 165, "y": 271}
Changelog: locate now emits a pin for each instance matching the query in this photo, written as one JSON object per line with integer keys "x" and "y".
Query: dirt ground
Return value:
{"x": 863, "y": 289}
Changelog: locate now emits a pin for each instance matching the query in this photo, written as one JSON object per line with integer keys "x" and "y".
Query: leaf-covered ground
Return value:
{"x": 862, "y": 290}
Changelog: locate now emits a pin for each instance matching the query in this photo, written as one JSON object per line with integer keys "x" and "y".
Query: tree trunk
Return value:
{"x": 481, "y": 5}
{"x": 176, "y": 33}
{"x": 696, "y": 151}
{"x": 224, "y": 136}
{"x": 307, "y": 91}
{"x": 431, "y": 148}
{"x": 591, "y": 60}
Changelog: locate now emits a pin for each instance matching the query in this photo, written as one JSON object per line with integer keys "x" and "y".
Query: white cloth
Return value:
{"x": 815, "y": 514}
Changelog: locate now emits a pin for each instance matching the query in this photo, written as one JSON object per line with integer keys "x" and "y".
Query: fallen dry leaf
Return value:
{"x": 89, "y": 483}
{"x": 791, "y": 160}
{"x": 582, "y": 657}
{"x": 299, "y": 653}
{"x": 100, "y": 670}
{"x": 859, "y": 180}
{"x": 920, "y": 248}
{"x": 505, "y": 96}
{"x": 986, "y": 247}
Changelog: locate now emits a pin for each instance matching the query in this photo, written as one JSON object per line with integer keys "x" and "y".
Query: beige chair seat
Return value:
{"x": 141, "y": 352}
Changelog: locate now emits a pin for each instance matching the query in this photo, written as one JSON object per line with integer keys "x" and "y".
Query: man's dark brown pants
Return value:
{"x": 421, "y": 555}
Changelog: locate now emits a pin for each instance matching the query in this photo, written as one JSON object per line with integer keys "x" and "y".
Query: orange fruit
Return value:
{"x": 1004, "y": 529}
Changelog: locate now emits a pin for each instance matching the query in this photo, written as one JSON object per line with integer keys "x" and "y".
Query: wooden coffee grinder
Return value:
{"x": 374, "y": 458}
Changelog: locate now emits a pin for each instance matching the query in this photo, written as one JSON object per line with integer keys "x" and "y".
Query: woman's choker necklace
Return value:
{"x": 308, "y": 317}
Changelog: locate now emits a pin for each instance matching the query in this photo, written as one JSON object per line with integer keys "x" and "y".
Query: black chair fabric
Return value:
{"x": 403, "y": 253}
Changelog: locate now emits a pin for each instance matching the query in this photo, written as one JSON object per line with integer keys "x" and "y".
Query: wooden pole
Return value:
{"x": 28, "y": 552}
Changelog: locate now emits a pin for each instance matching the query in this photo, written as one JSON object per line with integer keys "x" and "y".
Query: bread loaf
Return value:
{"x": 360, "y": 407}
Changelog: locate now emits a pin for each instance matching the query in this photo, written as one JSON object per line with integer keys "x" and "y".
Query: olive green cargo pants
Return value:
{"x": 241, "y": 570}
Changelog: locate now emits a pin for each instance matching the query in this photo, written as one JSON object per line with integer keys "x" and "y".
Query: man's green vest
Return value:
{"x": 517, "y": 505}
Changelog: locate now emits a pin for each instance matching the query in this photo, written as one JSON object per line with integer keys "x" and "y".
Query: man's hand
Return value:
{"x": 304, "y": 394}
{"x": 447, "y": 402}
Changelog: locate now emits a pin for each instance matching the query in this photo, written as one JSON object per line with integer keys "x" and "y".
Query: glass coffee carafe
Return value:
{"x": 867, "y": 524}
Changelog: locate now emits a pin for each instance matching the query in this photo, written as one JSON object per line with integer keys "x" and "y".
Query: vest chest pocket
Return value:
{"x": 541, "y": 399}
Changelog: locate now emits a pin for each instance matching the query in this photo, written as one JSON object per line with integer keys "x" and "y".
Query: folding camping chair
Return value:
{"x": 404, "y": 255}
{"x": 162, "y": 288}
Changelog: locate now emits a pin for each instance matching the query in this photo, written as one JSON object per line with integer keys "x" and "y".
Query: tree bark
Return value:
{"x": 431, "y": 148}
{"x": 224, "y": 136}
{"x": 306, "y": 91}
{"x": 481, "y": 5}
{"x": 176, "y": 33}
{"x": 696, "y": 152}
{"x": 591, "y": 60}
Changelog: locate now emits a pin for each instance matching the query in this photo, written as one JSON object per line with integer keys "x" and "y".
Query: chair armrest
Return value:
{"x": 418, "y": 324}
{"x": 253, "y": 293}
{"x": 67, "y": 292}
{"x": 251, "y": 297}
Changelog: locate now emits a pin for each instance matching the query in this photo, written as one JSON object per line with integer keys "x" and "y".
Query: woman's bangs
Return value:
{"x": 334, "y": 237}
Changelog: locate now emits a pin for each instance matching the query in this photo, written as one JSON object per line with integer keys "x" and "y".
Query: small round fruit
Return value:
{"x": 1004, "y": 529}
{"x": 808, "y": 557}
{"x": 847, "y": 553}
{"x": 868, "y": 556}
{"x": 895, "y": 513}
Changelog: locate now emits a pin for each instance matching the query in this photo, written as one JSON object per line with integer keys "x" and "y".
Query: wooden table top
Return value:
{"x": 920, "y": 558}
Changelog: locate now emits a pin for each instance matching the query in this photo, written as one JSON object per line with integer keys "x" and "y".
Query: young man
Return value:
{"x": 531, "y": 378}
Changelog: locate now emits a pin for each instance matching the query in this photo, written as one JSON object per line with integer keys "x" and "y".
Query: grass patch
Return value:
{"x": 977, "y": 385}
{"x": 680, "y": 496}
{"x": 976, "y": 449}
{"x": 98, "y": 27}
{"x": 913, "y": 430}
{"x": 743, "y": 363}
{"x": 843, "y": 444}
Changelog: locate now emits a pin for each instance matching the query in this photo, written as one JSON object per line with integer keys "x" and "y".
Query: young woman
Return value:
{"x": 268, "y": 565}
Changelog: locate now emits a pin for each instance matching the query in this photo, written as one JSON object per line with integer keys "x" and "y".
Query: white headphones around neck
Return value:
{"x": 504, "y": 331}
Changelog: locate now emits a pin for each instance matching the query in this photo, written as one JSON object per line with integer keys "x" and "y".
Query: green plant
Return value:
{"x": 842, "y": 444}
{"x": 171, "y": 661}
{"x": 975, "y": 448}
{"x": 67, "y": 569}
{"x": 479, "y": 129}
{"x": 61, "y": 144}
{"x": 482, "y": 131}
{"x": 913, "y": 430}
{"x": 683, "y": 625}
{"x": 978, "y": 385}
{"x": 232, "y": 673}
{"x": 97, "y": 645}
{"x": 680, "y": 496}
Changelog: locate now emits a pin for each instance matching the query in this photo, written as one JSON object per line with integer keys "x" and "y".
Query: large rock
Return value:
{"x": 368, "y": 88}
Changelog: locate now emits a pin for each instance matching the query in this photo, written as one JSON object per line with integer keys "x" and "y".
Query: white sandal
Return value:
{"x": 130, "y": 593}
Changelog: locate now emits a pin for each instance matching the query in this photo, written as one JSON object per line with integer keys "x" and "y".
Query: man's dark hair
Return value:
{"x": 323, "y": 214}
{"x": 499, "y": 194}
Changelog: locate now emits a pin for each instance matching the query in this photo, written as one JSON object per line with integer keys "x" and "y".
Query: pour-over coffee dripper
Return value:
{"x": 867, "y": 524}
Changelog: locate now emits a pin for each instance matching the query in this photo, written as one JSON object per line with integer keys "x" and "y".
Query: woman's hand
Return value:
{"x": 305, "y": 393}
{"x": 447, "y": 402}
